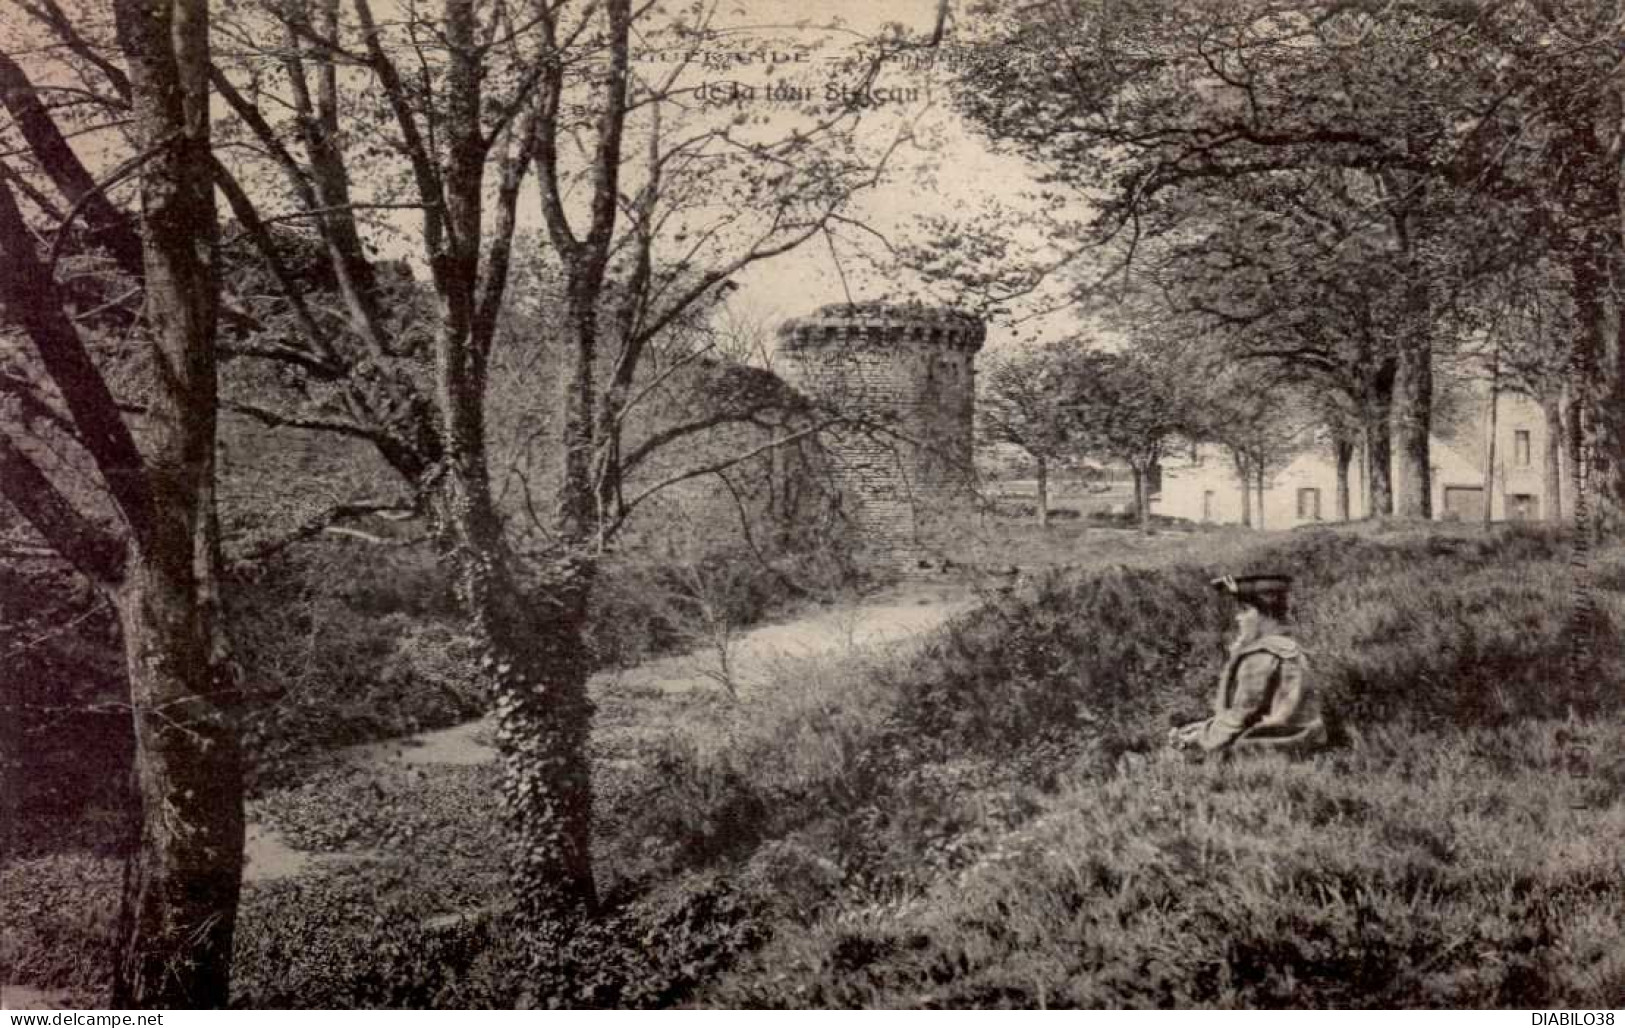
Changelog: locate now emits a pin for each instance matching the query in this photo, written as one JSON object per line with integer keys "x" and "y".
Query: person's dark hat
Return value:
{"x": 1265, "y": 590}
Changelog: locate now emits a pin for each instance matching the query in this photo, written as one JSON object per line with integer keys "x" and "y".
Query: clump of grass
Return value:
{"x": 1072, "y": 651}
{"x": 721, "y": 778}
{"x": 1378, "y": 877}
{"x": 1442, "y": 629}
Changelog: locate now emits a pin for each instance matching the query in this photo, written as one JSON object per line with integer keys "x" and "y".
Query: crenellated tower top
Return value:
{"x": 840, "y": 323}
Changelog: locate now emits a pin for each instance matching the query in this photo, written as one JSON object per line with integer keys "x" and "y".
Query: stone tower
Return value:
{"x": 907, "y": 373}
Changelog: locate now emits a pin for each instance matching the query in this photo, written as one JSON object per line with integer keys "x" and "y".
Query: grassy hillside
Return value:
{"x": 986, "y": 820}
{"x": 1460, "y": 847}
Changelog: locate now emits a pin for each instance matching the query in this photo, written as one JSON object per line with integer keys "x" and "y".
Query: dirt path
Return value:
{"x": 754, "y": 657}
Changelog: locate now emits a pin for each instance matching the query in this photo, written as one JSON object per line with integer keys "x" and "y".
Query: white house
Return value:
{"x": 1203, "y": 485}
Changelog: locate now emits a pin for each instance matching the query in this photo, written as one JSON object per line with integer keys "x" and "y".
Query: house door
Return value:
{"x": 1464, "y": 502}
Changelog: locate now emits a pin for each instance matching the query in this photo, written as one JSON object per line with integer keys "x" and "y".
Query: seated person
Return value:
{"x": 1264, "y": 699}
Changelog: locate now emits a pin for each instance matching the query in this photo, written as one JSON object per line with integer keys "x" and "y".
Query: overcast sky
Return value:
{"x": 955, "y": 177}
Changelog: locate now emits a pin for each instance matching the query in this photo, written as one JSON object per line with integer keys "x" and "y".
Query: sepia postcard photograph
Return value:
{"x": 897, "y": 505}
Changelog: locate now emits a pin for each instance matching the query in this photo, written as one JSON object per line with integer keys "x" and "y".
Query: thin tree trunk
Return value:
{"x": 1142, "y": 501}
{"x": 1379, "y": 482}
{"x": 1573, "y": 414}
{"x": 1344, "y": 451}
{"x": 1258, "y": 473}
{"x": 1244, "y": 476}
{"x": 1043, "y": 492}
{"x": 1610, "y": 452}
{"x": 1583, "y": 385}
{"x": 1552, "y": 467}
{"x": 1379, "y": 467}
{"x": 1489, "y": 449}
{"x": 320, "y": 131}
{"x": 1588, "y": 386}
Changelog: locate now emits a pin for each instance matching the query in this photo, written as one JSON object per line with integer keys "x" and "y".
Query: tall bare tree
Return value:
{"x": 148, "y": 544}
{"x": 473, "y": 98}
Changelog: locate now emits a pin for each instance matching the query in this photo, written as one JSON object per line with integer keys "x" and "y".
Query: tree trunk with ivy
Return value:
{"x": 534, "y": 661}
{"x": 1601, "y": 386}
{"x": 1412, "y": 427}
{"x": 531, "y": 650}
{"x": 531, "y": 643}
{"x": 1141, "y": 468}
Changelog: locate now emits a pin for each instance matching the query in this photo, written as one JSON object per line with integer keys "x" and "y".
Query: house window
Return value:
{"x": 1207, "y": 505}
{"x": 1308, "y": 504}
{"x": 1520, "y": 447}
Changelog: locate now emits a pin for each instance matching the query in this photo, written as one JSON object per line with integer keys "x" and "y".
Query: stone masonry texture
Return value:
{"x": 906, "y": 376}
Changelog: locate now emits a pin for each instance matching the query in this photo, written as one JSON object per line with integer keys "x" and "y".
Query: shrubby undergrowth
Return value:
{"x": 1394, "y": 875}
{"x": 336, "y": 644}
{"x": 344, "y": 648}
{"x": 62, "y": 671}
{"x": 340, "y": 647}
{"x": 1008, "y": 835}
{"x": 985, "y": 819}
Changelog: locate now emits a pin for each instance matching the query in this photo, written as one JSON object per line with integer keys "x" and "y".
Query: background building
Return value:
{"x": 1202, "y": 484}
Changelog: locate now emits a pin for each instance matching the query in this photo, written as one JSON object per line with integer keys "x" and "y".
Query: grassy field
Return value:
{"x": 985, "y": 819}
{"x": 1471, "y": 869}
